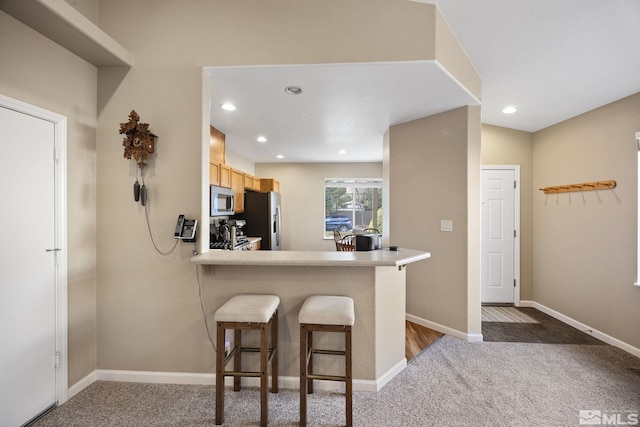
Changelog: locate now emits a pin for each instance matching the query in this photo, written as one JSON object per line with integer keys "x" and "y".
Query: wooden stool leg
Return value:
{"x": 348, "y": 375}
{"x": 220, "y": 374}
{"x": 237, "y": 358}
{"x": 310, "y": 354}
{"x": 264, "y": 366}
{"x": 274, "y": 360}
{"x": 243, "y": 314}
{"x": 303, "y": 374}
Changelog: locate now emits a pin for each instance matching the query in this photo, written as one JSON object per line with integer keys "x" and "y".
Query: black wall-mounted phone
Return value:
{"x": 186, "y": 229}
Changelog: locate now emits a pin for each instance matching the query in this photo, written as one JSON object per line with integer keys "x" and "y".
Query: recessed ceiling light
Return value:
{"x": 293, "y": 90}
{"x": 342, "y": 152}
{"x": 227, "y": 106}
{"x": 509, "y": 110}
{"x": 261, "y": 139}
{"x": 280, "y": 156}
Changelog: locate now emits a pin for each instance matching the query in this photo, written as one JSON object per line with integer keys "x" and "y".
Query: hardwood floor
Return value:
{"x": 418, "y": 338}
{"x": 549, "y": 330}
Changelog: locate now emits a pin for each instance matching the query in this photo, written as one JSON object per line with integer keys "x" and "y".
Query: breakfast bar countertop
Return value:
{"x": 376, "y": 258}
{"x": 376, "y": 280}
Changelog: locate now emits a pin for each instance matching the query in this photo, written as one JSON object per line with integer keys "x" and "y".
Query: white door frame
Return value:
{"x": 516, "y": 225}
{"x": 61, "y": 270}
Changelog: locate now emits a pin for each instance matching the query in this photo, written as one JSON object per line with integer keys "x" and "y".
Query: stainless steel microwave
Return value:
{"x": 222, "y": 202}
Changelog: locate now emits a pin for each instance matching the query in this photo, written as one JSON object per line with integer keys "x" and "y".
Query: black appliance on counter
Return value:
{"x": 368, "y": 242}
{"x": 262, "y": 213}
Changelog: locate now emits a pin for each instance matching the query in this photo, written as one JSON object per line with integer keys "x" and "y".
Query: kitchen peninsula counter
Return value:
{"x": 376, "y": 280}
{"x": 378, "y": 258}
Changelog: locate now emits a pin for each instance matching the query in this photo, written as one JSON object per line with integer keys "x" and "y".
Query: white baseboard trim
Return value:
{"x": 81, "y": 385}
{"x": 583, "y": 327}
{"x": 471, "y": 337}
{"x": 210, "y": 379}
{"x": 475, "y": 338}
{"x": 384, "y": 379}
{"x": 293, "y": 383}
{"x": 359, "y": 385}
{"x": 156, "y": 377}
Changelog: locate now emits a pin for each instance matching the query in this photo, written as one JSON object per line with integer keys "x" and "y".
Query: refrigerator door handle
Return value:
{"x": 278, "y": 225}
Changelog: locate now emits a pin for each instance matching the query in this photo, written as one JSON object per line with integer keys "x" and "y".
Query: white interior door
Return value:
{"x": 499, "y": 235}
{"x": 27, "y": 278}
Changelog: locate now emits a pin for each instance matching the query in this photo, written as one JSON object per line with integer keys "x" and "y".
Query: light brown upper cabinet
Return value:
{"x": 248, "y": 181}
{"x": 269, "y": 184}
{"x": 225, "y": 176}
{"x": 251, "y": 182}
{"x": 216, "y": 146}
{"x": 237, "y": 185}
{"x": 214, "y": 173}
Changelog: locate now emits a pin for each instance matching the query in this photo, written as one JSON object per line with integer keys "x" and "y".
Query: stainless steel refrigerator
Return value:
{"x": 262, "y": 213}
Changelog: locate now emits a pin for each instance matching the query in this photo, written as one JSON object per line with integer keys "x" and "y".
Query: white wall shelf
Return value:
{"x": 61, "y": 23}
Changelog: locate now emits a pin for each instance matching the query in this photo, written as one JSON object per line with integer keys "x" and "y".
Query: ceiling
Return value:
{"x": 550, "y": 59}
{"x": 344, "y": 107}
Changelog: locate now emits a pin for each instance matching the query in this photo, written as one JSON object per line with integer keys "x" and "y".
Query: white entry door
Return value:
{"x": 499, "y": 235}
{"x": 28, "y": 275}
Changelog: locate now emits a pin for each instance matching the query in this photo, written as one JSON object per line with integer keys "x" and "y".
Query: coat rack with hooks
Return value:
{"x": 585, "y": 186}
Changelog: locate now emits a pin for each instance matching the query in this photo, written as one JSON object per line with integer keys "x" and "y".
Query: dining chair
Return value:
{"x": 346, "y": 243}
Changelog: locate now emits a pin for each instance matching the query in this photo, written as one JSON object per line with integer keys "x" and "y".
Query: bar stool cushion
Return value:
{"x": 248, "y": 308}
{"x": 327, "y": 310}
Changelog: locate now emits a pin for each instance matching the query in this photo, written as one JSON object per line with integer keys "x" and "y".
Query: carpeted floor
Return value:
{"x": 452, "y": 383}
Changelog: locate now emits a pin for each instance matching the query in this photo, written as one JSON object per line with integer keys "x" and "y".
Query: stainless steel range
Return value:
{"x": 228, "y": 235}
{"x": 241, "y": 244}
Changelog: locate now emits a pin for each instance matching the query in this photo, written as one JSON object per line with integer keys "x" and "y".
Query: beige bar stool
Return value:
{"x": 325, "y": 313}
{"x": 247, "y": 312}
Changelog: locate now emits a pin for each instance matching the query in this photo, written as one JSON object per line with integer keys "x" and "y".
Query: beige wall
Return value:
{"x": 89, "y": 8}
{"x": 39, "y": 72}
{"x": 585, "y": 243}
{"x": 302, "y": 188}
{"x": 428, "y": 182}
{"x": 473, "y": 199}
{"x": 454, "y": 59}
{"x": 147, "y": 303}
{"x": 578, "y": 253}
{"x": 374, "y": 289}
{"x": 502, "y": 146}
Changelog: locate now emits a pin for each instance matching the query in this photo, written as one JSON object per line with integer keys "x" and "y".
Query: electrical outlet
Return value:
{"x": 446, "y": 225}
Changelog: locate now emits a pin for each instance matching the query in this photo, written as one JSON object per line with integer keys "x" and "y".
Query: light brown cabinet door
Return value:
{"x": 269, "y": 184}
{"x": 214, "y": 174}
{"x": 237, "y": 185}
{"x": 216, "y": 146}
{"x": 248, "y": 181}
{"x": 225, "y": 176}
